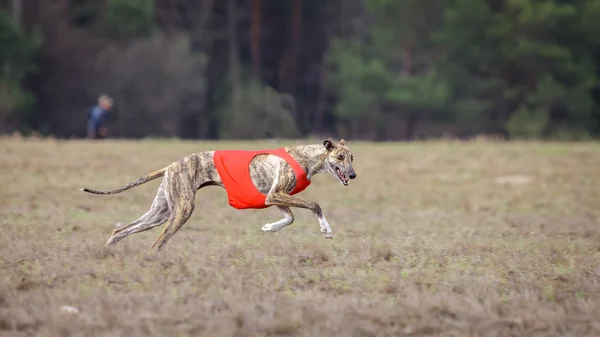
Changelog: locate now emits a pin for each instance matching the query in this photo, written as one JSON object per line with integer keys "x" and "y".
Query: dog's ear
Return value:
{"x": 329, "y": 144}
{"x": 342, "y": 142}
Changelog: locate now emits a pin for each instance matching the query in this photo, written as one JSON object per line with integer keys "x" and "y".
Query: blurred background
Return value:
{"x": 248, "y": 69}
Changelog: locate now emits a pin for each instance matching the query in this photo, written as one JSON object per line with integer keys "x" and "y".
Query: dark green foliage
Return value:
{"x": 130, "y": 18}
{"x": 526, "y": 68}
{"x": 527, "y": 65}
{"x": 17, "y": 60}
{"x": 386, "y": 77}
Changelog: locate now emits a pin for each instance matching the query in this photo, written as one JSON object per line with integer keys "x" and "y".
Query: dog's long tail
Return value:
{"x": 142, "y": 180}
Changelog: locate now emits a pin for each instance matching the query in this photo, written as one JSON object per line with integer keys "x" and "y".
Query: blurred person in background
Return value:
{"x": 97, "y": 116}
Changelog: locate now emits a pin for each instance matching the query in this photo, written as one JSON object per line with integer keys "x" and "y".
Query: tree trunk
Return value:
{"x": 411, "y": 125}
{"x": 216, "y": 67}
{"x": 255, "y": 37}
{"x": 320, "y": 107}
{"x": 204, "y": 116}
{"x": 407, "y": 69}
{"x": 17, "y": 11}
{"x": 195, "y": 18}
{"x": 234, "y": 65}
{"x": 381, "y": 128}
{"x": 291, "y": 62}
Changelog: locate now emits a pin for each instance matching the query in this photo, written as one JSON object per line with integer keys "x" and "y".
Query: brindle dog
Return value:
{"x": 271, "y": 175}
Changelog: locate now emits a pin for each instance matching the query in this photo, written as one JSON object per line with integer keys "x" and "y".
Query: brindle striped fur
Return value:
{"x": 272, "y": 176}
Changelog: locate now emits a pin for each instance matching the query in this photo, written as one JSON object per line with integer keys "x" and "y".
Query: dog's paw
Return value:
{"x": 111, "y": 241}
{"x": 328, "y": 235}
{"x": 268, "y": 228}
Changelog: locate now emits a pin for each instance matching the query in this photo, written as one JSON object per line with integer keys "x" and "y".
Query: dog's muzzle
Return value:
{"x": 342, "y": 176}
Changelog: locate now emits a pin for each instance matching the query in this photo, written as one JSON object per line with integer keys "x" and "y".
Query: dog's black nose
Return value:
{"x": 352, "y": 176}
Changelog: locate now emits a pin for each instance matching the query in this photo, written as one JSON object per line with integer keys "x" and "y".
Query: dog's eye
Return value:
{"x": 341, "y": 157}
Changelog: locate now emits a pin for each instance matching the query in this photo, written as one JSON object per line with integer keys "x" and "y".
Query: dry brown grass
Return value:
{"x": 439, "y": 239}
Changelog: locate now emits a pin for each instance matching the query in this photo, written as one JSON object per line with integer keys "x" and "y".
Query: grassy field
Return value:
{"x": 432, "y": 238}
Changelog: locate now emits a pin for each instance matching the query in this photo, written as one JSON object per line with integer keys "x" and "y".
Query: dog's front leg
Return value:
{"x": 282, "y": 199}
{"x": 288, "y": 218}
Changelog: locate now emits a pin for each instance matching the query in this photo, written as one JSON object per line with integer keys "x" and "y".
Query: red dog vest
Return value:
{"x": 233, "y": 167}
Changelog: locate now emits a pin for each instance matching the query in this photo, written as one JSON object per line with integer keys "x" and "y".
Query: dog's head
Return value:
{"x": 339, "y": 161}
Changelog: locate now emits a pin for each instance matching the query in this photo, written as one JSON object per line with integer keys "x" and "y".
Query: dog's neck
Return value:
{"x": 311, "y": 157}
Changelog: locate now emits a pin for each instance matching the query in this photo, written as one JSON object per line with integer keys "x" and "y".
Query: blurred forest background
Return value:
{"x": 365, "y": 69}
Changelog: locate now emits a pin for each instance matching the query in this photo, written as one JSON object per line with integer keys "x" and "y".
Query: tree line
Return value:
{"x": 365, "y": 69}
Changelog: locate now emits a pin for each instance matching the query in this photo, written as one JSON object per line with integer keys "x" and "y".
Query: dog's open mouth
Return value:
{"x": 342, "y": 176}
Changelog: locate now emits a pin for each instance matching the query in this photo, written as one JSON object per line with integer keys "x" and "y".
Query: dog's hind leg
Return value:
{"x": 182, "y": 181}
{"x": 180, "y": 214}
{"x": 288, "y": 219}
{"x": 156, "y": 216}
{"x": 180, "y": 197}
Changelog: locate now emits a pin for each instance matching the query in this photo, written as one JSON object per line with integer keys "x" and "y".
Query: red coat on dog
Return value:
{"x": 233, "y": 167}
